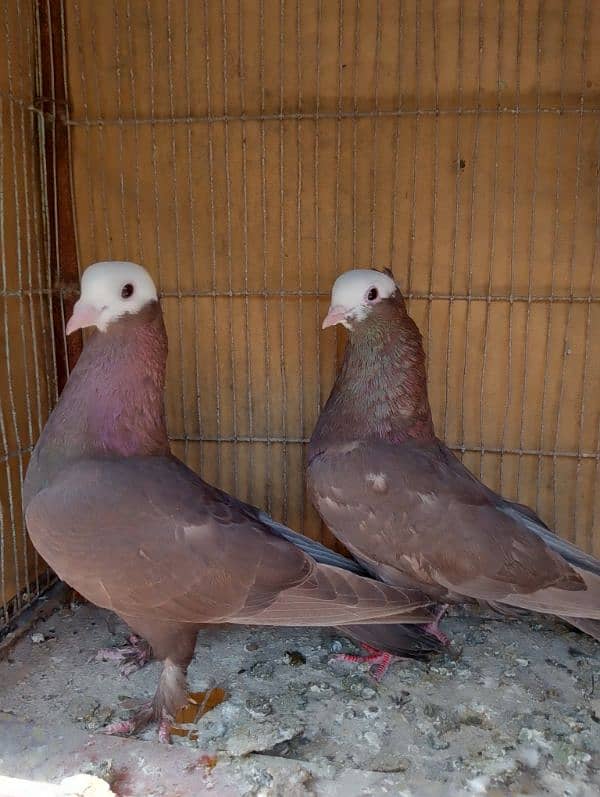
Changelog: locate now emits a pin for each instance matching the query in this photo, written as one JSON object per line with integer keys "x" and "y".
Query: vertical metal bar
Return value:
{"x": 394, "y": 212}
{"x": 175, "y": 204}
{"x": 317, "y": 202}
{"x": 492, "y": 247}
{"x": 299, "y": 169}
{"x": 436, "y": 168}
{"x": 284, "y": 428}
{"x": 458, "y": 173}
{"x": 474, "y": 160}
{"x": 338, "y": 155}
{"x": 136, "y": 142}
{"x": 263, "y": 199}
{"x": 515, "y": 189}
{"x": 91, "y": 187}
{"x": 118, "y": 75}
{"x": 555, "y": 244}
{"x": 565, "y": 352}
{"x": 32, "y": 240}
{"x": 11, "y": 397}
{"x": 355, "y": 67}
{"x": 213, "y": 239}
{"x": 229, "y": 243}
{"x": 532, "y": 231}
{"x": 99, "y": 185}
{"x": 157, "y": 213}
{"x": 375, "y": 132}
{"x": 61, "y": 226}
{"x": 192, "y": 223}
{"x": 415, "y": 157}
{"x": 246, "y": 264}
{"x": 11, "y": 358}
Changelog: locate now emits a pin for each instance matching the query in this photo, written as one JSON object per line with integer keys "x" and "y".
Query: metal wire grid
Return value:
{"x": 236, "y": 284}
{"x": 27, "y": 367}
{"x": 224, "y": 144}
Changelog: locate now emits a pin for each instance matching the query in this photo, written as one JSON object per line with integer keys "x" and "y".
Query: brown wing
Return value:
{"x": 147, "y": 535}
{"x": 414, "y": 514}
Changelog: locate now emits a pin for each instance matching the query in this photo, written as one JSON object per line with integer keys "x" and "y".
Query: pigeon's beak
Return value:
{"x": 84, "y": 315}
{"x": 335, "y": 315}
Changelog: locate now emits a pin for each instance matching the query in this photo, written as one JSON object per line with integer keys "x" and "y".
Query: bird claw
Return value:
{"x": 378, "y": 660}
{"x": 121, "y": 728}
{"x": 133, "y": 656}
{"x": 138, "y": 720}
{"x": 433, "y": 628}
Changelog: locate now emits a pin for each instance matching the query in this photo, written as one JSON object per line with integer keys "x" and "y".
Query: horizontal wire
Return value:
{"x": 314, "y": 116}
{"x": 528, "y": 452}
{"x": 525, "y": 452}
{"x": 291, "y": 294}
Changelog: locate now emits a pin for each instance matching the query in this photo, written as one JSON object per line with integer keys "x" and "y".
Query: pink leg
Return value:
{"x": 378, "y": 660}
{"x": 141, "y": 718}
{"x": 131, "y": 657}
{"x": 433, "y": 628}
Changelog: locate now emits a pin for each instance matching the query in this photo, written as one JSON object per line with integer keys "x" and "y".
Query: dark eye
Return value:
{"x": 372, "y": 294}
{"x": 127, "y": 291}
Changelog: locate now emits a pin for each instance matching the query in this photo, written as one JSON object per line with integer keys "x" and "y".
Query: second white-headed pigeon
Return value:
{"x": 402, "y": 503}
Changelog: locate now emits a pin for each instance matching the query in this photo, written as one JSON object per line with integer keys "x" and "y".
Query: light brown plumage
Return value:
{"x": 134, "y": 530}
{"x": 405, "y": 506}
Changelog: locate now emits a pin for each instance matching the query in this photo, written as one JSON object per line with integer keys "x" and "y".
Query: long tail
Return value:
{"x": 528, "y": 518}
{"x": 332, "y": 597}
{"x": 591, "y": 627}
{"x": 405, "y": 641}
{"x": 319, "y": 553}
{"x": 582, "y": 604}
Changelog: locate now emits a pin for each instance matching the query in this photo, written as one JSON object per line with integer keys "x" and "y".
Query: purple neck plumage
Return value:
{"x": 113, "y": 403}
{"x": 381, "y": 389}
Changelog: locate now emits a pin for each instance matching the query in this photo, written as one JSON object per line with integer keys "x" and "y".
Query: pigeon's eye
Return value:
{"x": 127, "y": 291}
{"x": 372, "y": 294}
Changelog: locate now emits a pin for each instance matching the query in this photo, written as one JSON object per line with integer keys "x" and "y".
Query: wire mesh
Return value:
{"x": 27, "y": 366}
{"x": 247, "y": 152}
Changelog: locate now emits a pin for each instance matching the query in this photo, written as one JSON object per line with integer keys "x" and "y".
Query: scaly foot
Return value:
{"x": 138, "y": 720}
{"x": 434, "y": 629}
{"x": 131, "y": 657}
{"x": 378, "y": 660}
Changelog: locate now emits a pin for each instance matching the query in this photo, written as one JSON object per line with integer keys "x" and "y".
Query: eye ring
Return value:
{"x": 372, "y": 294}
{"x": 127, "y": 290}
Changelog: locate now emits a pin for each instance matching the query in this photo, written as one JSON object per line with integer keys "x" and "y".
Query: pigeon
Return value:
{"x": 403, "y": 505}
{"x": 134, "y": 530}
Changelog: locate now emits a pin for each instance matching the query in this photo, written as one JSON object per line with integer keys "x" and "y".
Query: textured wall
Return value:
{"x": 247, "y": 152}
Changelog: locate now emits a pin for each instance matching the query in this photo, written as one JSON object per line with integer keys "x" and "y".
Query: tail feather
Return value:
{"x": 405, "y": 641}
{"x": 572, "y": 554}
{"x": 583, "y": 604}
{"x": 332, "y": 596}
{"x": 319, "y": 552}
{"x": 591, "y": 627}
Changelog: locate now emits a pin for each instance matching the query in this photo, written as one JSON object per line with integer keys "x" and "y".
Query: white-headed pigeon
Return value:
{"x": 131, "y": 528}
{"x": 402, "y": 503}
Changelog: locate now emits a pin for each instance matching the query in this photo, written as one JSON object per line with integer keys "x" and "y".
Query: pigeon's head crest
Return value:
{"x": 355, "y": 293}
{"x": 110, "y": 290}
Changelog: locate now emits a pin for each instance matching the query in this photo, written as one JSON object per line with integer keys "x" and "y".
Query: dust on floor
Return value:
{"x": 515, "y": 709}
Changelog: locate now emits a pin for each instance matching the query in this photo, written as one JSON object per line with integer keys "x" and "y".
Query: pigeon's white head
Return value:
{"x": 110, "y": 290}
{"x": 355, "y": 293}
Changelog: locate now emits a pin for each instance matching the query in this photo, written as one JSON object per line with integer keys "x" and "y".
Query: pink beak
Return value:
{"x": 335, "y": 315}
{"x": 84, "y": 315}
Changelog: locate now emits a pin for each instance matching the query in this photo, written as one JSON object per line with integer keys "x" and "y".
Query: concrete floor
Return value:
{"x": 514, "y": 710}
